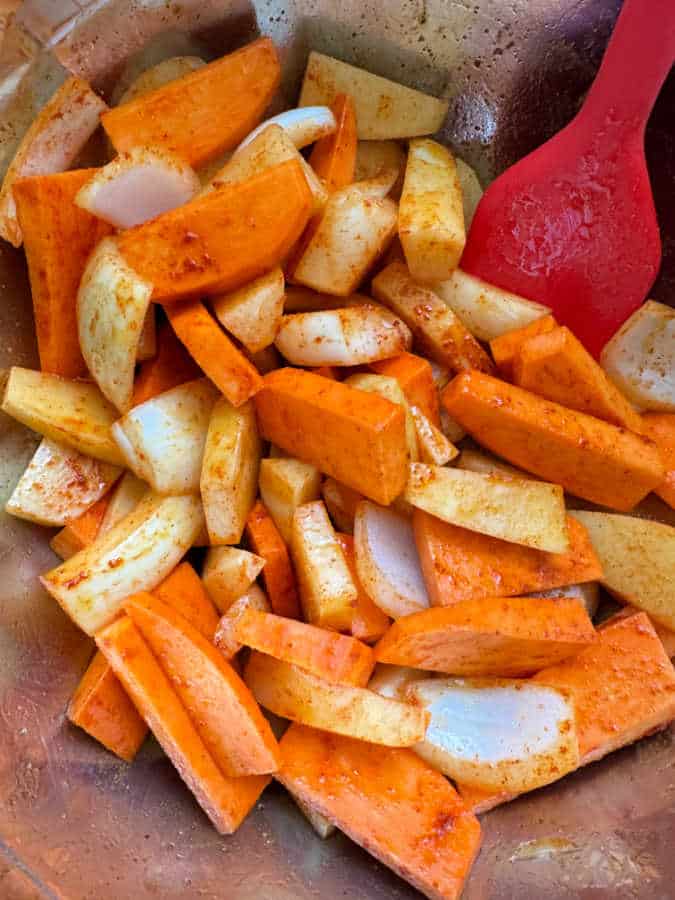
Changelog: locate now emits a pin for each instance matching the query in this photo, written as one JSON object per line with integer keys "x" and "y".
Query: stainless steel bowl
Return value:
{"x": 77, "y": 823}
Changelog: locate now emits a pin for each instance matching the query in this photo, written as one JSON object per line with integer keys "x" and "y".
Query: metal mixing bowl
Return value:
{"x": 75, "y": 822}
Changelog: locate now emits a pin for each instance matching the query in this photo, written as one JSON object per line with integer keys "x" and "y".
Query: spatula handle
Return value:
{"x": 638, "y": 58}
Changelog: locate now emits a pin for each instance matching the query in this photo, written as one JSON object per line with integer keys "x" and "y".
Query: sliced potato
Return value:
{"x": 147, "y": 342}
{"x": 59, "y": 484}
{"x": 135, "y": 555}
{"x": 327, "y": 591}
{"x": 285, "y": 484}
{"x": 159, "y": 75}
{"x": 296, "y": 694}
{"x": 486, "y": 310}
{"x": 387, "y": 562}
{"x": 253, "y": 313}
{"x": 341, "y": 502}
{"x": 252, "y": 598}
{"x": 229, "y": 478}
{"x": 393, "y": 681}
{"x": 124, "y": 497}
{"x": 303, "y": 125}
{"x": 342, "y": 337}
{"x": 354, "y": 230}
{"x": 522, "y": 512}
{"x": 112, "y": 303}
{"x": 431, "y": 212}
{"x": 384, "y": 109}
{"x": 434, "y": 447}
{"x": 638, "y": 561}
{"x": 485, "y": 464}
{"x": 375, "y": 157}
{"x": 73, "y": 413}
{"x": 640, "y": 358}
{"x": 163, "y": 439}
{"x": 228, "y": 573}
{"x": 390, "y": 389}
{"x": 471, "y": 190}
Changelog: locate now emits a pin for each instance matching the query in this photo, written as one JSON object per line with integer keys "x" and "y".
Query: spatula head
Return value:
{"x": 573, "y": 226}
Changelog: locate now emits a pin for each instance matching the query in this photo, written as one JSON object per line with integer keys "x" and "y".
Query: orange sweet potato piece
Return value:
{"x": 81, "y": 531}
{"x": 264, "y": 539}
{"x": 333, "y": 157}
{"x": 660, "y": 427}
{"x": 226, "y": 801}
{"x": 588, "y": 457}
{"x": 335, "y": 657}
{"x": 505, "y": 348}
{"x": 495, "y": 636}
{"x": 212, "y": 349}
{"x": 557, "y": 366}
{"x": 226, "y": 715}
{"x": 389, "y": 801}
{"x": 203, "y": 113}
{"x": 219, "y": 241}
{"x": 184, "y": 591}
{"x": 102, "y": 708}
{"x": 58, "y": 237}
{"x": 368, "y": 621}
{"x": 172, "y": 366}
{"x": 356, "y": 437}
{"x": 416, "y": 378}
{"x": 458, "y": 564}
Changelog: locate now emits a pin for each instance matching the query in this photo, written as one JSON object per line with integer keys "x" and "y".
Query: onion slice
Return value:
{"x": 303, "y": 126}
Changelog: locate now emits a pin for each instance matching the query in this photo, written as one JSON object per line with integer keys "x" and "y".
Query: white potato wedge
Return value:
{"x": 640, "y": 358}
{"x": 51, "y": 144}
{"x": 471, "y": 190}
{"x": 163, "y": 439}
{"x": 285, "y": 484}
{"x": 74, "y": 413}
{"x": 587, "y": 594}
{"x": 135, "y": 555}
{"x": 434, "y": 447}
{"x": 384, "y": 109}
{"x": 342, "y": 337}
{"x": 353, "y": 232}
{"x": 341, "y": 502}
{"x": 138, "y": 185}
{"x": 253, "y": 313}
{"x": 387, "y": 562}
{"x": 228, "y": 573}
{"x": 112, "y": 303}
{"x": 59, "y": 484}
{"x": 225, "y": 638}
{"x": 375, "y": 157}
{"x": 124, "y": 497}
{"x": 393, "y": 681}
{"x": 327, "y": 591}
{"x": 229, "y": 478}
{"x": 147, "y": 342}
{"x": 303, "y": 125}
{"x": 531, "y": 513}
{"x": 270, "y": 148}
{"x": 157, "y": 76}
{"x": 485, "y": 464}
{"x": 431, "y": 213}
{"x": 497, "y": 734}
{"x": 390, "y": 389}
{"x": 301, "y": 696}
{"x": 638, "y": 561}
{"x": 486, "y": 310}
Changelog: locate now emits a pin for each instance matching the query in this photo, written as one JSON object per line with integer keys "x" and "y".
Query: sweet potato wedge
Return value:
{"x": 506, "y": 347}
{"x": 509, "y": 637}
{"x": 183, "y": 590}
{"x": 264, "y": 539}
{"x": 368, "y": 621}
{"x": 415, "y": 376}
{"x": 228, "y": 573}
{"x": 226, "y": 801}
{"x": 660, "y": 427}
{"x": 225, "y": 638}
{"x": 333, "y": 157}
{"x": 172, "y": 366}
{"x": 588, "y": 457}
{"x": 368, "y": 792}
{"x": 81, "y": 531}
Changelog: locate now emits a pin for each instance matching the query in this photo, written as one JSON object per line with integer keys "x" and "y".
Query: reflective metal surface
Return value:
{"x": 77, "y": 823}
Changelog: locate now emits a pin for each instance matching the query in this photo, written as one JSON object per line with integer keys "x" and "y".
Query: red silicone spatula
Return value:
{"x": 573, "y": 224}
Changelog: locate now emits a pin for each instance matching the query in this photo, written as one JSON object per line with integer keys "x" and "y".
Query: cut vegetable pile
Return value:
{"x": 272, "y": 354}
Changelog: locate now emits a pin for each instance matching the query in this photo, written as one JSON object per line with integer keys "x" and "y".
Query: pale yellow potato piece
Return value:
{"x": 327, "y": 591}
{"x": 431, "y": 212}
{"x": 640, "y": 358}
{"x": 59, "y": 484}
{"x": 74, "y": 413}
{"x": 159, "y": 75}
{"x": 285, "y": 484}
{"x": 497, "y": 734}
{"x": 124, "y": 497}
{"x": 228, "y": 573}
{"x": 225, "y": 638}
{"x": 471, "y": 190}
{"x": 296, "y": 694}
{"x": 229, "y": 478}
{"x": 375, "y": 157}
{"x": 485, "y": 464}
{"x": 390, "y": 389}
{"x": 353, "y": 232}
{"x": 147, "y": 342}
{"x": 163, "y": 439}
{"x": 486, "y": 310}
{"x": 638, "y": 561}
{"x": 135, "y": 555}
{"x": 384, "y": 109}
{"x": 112, "y": 304}
{"x": 253, "y": 313}
{"x": 522, "y": 512}
{"x": 434, "y": 447}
